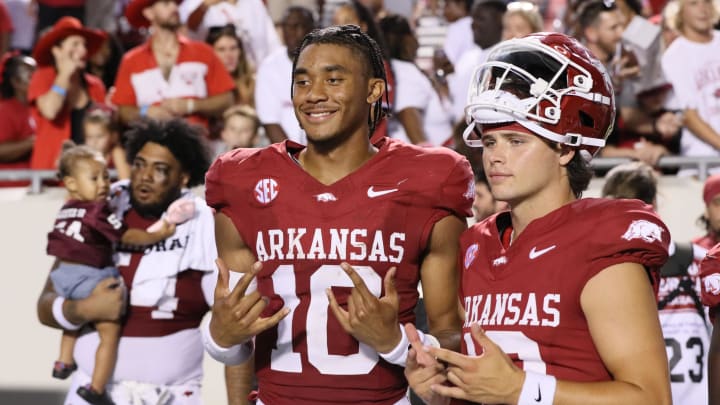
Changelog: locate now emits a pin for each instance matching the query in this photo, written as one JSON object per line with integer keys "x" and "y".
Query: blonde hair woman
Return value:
{"x": 521, "y": 18}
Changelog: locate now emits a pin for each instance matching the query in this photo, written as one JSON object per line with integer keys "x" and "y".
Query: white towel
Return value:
{"x": 192, "y": 247}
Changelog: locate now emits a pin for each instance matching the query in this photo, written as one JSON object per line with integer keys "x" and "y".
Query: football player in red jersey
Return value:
{"x": 344, "y": 229}
{"x": 710, "y": 295}
{"x": 169, "y": 284}
{"x": 558, "y": 291}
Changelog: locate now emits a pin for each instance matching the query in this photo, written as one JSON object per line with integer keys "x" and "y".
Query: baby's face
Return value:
{"x": 239, "y": 132}
{"x": 98, "y": 137}
{"x": 90, "y": 180}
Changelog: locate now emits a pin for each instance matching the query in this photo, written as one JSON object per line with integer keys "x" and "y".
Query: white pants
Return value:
{"x": 137, "y": 393}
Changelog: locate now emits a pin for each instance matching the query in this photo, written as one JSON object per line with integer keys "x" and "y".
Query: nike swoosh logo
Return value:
{"x": 534, "y": 254}
{"x": 373, "y": 194}
{"x": 539, "y": 395}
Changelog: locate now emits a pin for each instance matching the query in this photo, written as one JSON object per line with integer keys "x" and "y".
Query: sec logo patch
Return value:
{"x": 266, "y": 190}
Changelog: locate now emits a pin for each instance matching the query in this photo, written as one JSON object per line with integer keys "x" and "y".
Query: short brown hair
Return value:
{"x": 244, "y": 111}
{"x": 631, "y": 180}
{"x": 71, "y": 154}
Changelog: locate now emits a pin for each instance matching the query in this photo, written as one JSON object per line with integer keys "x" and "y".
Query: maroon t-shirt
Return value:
{"x": 85, "y": 232}
{"x": 377, "y": 217}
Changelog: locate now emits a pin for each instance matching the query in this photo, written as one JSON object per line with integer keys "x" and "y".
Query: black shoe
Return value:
{"x": 89, "y": 394}
{"x": 62, "y": 370}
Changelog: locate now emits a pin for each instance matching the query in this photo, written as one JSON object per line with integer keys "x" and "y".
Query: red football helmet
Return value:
{"x": 548, "y": 83}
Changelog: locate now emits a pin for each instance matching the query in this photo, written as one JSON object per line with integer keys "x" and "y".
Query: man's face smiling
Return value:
{"x": 332, "y": 93}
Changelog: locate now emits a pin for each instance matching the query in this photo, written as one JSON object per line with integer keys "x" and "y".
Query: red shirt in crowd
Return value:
{"x": 6, "y": 24}
{"x": 52, "y": 134}
{"x": 17, "y": 124}
{"x": 197, "y": 74}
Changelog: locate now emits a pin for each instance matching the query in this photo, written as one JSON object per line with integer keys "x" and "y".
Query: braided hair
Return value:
{"x": 352, "y": 37}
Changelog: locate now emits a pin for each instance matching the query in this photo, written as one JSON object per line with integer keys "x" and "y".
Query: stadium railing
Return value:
{"x": 35, "y": 177}
{"x": 701, "y": 164}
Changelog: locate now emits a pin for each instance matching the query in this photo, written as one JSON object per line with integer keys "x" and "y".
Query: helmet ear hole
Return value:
{"x": 586, "y": 119}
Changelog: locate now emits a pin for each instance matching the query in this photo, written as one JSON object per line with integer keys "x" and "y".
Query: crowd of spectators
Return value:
{"x": 84, "y": 71}
{"x": 198, "y": 59}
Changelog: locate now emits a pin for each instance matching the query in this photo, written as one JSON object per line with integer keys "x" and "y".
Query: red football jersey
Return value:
{"x": 527, "y": 296}
{"x": 710, "y": 277}
{"x": 85, "y": 232}
{"x": 706, "y": 241}
{"x": 378, "y": 217}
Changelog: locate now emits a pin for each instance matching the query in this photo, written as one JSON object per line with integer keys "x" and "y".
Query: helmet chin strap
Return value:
{"x": 473, "y": 143}
{"x": 569, "y": 139}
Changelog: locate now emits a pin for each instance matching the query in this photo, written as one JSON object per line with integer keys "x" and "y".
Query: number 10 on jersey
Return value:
{"x": 284, "y": 357}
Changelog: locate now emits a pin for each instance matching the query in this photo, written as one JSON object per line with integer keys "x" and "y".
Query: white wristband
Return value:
{"x": 398, "y": 355}
{"x": 538, "y": 389}
{"x": 57, "y": 310}
{"x": 231, "y": 356}
{"x": 190, "y": 106}
{"x": 429, "y": 340}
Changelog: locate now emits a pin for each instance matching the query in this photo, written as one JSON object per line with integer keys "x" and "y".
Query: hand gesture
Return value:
{"x": 163, "y": 228}
{"x": 235, "y": 315}
{"x": 65, "y": 62}
{"x": 369, "y": 319}
{"x": 668, "y": 124}
{"x": 489, "y": 378}
{"x": 423, "y": 370}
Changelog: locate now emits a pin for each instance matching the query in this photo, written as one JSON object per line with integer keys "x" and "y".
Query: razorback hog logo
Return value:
{"x": 470, "y": 191}
{"x": 470, "y": 255}
{"x": 645, "y": 230}
{"x": 712, "y": 284}
{"x": 326, "y": 197}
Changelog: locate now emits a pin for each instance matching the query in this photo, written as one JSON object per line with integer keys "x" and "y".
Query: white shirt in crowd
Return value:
{"x": 414, "y": 89}
{"x": 458, "y": 39}
{"x": 251, "y": 19}
{"x": 459, "y": 81}
{"x": 693, "y": 69}
{"x": 23, "y": 35}
{"x": 272, "y": 94}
